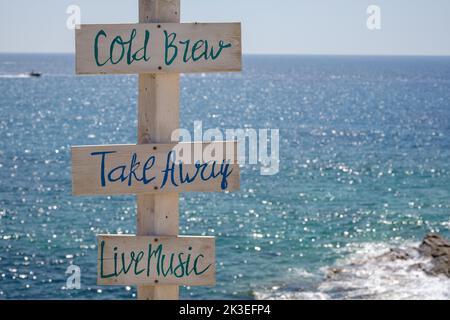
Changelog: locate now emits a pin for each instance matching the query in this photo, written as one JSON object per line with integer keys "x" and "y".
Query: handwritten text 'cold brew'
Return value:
{"x": 174, "y": 48}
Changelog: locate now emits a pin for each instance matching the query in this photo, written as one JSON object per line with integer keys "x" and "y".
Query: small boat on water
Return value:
{"x": 35, "y": 74}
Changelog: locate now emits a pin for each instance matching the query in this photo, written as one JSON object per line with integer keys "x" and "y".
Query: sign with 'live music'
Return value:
{"x": 131, "y": 260}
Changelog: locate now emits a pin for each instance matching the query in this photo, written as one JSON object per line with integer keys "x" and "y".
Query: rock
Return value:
{"x": 438, "y": 249}
{"x": 333, "y": 272}
{"x": 396, "y": 254}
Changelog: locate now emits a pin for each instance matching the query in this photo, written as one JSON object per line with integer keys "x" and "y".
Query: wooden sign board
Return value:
{"x": 152, "y": 168}
{"x": 131, "y": 260}
{"x": 158, "y": 48}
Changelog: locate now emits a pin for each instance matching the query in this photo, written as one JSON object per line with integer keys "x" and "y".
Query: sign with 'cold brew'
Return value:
{"x": 132, "y": 260}
{"x": 158, "y": 48}
{"x": 150, "y": 168}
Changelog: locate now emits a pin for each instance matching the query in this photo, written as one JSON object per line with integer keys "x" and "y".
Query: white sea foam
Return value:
{"x": 284, "y": 295}
{"x": 15, "y": 76}
{"x": 366, "y": 273}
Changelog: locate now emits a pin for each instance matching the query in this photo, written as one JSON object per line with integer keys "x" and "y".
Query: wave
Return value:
{"x": 15, "y": 76}
{"x": 369, "y": 271}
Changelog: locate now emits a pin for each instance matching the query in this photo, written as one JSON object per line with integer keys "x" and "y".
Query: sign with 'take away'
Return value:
{"x": 151, "y": 168}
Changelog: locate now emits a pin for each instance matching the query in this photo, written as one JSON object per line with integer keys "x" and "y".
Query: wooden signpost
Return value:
{"x": 157, "y": 260}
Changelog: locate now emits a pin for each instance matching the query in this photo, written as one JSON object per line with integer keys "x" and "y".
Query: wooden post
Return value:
{"x": 158, "y": 116}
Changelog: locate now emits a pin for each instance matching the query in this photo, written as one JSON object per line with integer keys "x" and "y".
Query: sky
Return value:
{"x": 408, "y": 27}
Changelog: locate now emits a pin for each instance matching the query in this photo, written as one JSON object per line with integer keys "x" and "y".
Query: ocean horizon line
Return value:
{"x": 274, "y": 55}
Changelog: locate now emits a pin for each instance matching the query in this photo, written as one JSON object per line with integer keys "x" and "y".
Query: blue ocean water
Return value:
{"x": 364, "y": 150}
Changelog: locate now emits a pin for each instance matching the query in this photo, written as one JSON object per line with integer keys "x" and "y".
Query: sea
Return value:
{"x": 364, "y": 150}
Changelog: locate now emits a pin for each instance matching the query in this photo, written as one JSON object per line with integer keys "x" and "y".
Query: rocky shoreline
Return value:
{"x": 434, "y": 248}
{"x": 437, "y": 248}
{"x": 420, "y": 271}
{"x": 404, "y": 271}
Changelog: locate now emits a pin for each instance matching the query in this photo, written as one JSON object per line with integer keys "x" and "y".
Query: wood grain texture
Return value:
{"x": 158, "y": 260}
{"x": 110, "y": 169}
{"x": 209, "y": 34}
{"x": 158, "y": 102}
